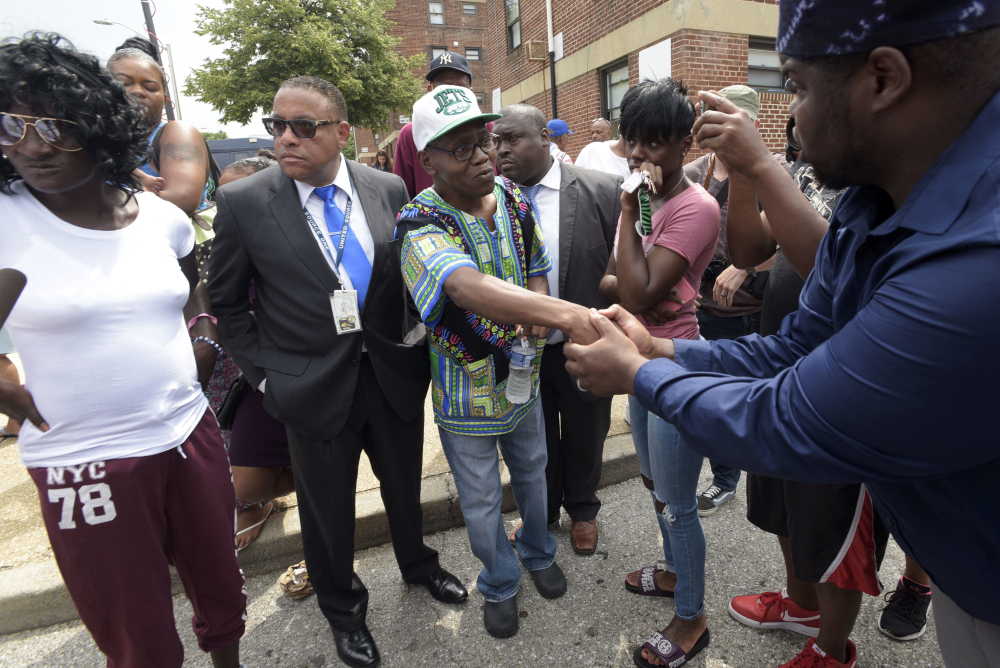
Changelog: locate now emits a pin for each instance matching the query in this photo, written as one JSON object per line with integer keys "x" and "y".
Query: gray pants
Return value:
{"x": 966, "y": 642}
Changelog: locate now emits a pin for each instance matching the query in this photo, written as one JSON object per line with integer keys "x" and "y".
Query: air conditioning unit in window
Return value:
{"x": 536, "y": 51}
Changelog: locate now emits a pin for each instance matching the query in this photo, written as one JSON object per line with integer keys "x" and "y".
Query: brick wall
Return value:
{"x": 773, "y": 117}
{"x": 701, "y": 59}
{"x": 412, "y": 24}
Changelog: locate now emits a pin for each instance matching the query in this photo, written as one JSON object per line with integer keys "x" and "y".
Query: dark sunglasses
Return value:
{"x": 301, "y": 127}
{"x": 54, "y": 131}
{"x": 488, "y": 144}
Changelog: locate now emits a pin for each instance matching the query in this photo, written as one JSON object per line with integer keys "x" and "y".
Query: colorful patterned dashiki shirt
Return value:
{"x": 469, "y": 354}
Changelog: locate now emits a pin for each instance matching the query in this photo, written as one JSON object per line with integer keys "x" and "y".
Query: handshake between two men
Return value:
{"x": 607, "y": 365}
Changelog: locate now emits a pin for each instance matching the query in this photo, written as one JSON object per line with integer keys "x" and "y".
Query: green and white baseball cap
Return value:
{"x": 442, "y": 110}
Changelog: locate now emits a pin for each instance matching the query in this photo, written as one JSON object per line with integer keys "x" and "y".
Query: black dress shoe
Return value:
{"x": 445, "y": 587}
{"x": 500, "y": 618}
{"x": 357, "y": 648}
{"x": 550, "y": 582}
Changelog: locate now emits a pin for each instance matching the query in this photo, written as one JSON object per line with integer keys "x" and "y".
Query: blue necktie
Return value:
{"x": 354, "y": 261}
{"x": 531, "y": 192}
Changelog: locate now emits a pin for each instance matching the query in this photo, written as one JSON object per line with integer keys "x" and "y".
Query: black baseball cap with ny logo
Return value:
{"x": 449, "y": 60}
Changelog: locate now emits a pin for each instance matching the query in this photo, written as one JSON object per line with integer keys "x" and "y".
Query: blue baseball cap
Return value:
{"x": 558, "y": 128}
{"x": 449, "y": 60}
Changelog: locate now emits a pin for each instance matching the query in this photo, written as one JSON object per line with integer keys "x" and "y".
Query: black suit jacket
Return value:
{"x": 261, "y": 234}
{"x": 589, "y": 208}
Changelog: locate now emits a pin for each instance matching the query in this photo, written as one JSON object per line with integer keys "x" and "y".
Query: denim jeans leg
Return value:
{"x": 725, "y": 477}
{"x": 676, "y": 469}
{"x": 640, "y": 438}
{"x": 524, "y": 451}
{"x": 475, "y": 463}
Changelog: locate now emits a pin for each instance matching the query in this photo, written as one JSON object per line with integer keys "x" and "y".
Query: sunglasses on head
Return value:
{"x": 54, "y": 131}
{"x": 301, "y": 127}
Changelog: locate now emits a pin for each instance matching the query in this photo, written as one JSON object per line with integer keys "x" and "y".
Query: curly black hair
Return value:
{"x": 44, "y": 72}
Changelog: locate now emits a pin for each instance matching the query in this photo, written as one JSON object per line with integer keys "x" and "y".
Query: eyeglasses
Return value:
{"x": 301, "y": 127}
{"x": 55, "y": 131}
{"x": 487, "y": 144}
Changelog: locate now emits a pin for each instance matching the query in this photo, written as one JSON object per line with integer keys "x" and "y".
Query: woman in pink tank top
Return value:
{"x": 656, "y": 276}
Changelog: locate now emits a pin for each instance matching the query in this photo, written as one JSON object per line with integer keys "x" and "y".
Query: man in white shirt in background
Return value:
{"x": 600, "y": 130}
{"x": 605, "y": 156}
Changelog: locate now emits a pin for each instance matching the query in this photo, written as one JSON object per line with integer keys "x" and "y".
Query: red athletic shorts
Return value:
{"x": 832, "y": 530}
{"x": 116, "y": 525}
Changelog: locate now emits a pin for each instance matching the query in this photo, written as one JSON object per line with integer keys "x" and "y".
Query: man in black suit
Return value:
{"x": 315, "y": 235}
{"x": 578, "y": 210}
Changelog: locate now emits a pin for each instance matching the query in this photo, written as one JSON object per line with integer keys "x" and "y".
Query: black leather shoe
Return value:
{"x": 357, "y": 648}
{"x": 445, "y": 587}
{"x": 500, "y": 618}
{"x": 550, "y": 582}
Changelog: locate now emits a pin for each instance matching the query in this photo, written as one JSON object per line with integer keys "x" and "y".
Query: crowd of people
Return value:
{"x": 200, "y": 342}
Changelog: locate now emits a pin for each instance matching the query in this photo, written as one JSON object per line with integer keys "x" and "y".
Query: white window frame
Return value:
{"x": 439, "y": 5}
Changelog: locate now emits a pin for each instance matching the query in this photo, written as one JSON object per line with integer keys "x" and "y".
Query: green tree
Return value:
{"x": 346, "y": 42}
{"x": 221, "y": 134}
{"x": 348, "y": 150}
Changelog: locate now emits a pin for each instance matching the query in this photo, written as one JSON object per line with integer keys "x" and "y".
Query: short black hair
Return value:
{"x": 250, "y": 165}
{"x": 653, "y": 109}
{"x": 42, "y": 71}
{"x": 520, "y": 109}
{"x": 324, "y": 88}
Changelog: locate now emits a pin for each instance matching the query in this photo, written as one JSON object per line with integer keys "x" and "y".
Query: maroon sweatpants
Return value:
{"x": 116, "y": 525}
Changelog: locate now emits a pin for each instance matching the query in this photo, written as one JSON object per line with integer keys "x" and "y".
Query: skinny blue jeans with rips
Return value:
{"x": 476, "y": 467}
{"x": 674, "y": 469}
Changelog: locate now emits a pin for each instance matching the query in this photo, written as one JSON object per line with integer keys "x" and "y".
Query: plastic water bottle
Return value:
{"x": 522, "y": 357}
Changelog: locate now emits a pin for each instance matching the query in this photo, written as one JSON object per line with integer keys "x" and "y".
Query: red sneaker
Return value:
{"x": 774, "y": 610}
{"x": 812, "y": 656}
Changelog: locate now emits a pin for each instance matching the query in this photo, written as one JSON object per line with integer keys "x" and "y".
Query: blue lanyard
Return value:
{"x": 343, "y": 234}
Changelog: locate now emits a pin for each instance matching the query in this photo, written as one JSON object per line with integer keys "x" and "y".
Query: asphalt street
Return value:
{"x": 597, "y": 623}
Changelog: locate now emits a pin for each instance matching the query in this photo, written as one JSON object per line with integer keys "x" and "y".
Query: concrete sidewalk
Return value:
{"x": 597, "y": 622}
{"x": 32, "y": 593}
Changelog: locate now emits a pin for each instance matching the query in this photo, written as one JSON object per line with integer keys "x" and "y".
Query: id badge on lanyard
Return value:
{"x": 346, "y": 315}
{"x": 344, "y": 303}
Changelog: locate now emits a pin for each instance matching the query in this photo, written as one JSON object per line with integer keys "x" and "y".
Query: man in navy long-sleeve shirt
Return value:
{"x": 888, "y": 373}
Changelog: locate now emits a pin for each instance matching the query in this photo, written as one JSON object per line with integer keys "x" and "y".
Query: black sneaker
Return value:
{"x": 713, "y": 497}
{"x": 905, "y": 618}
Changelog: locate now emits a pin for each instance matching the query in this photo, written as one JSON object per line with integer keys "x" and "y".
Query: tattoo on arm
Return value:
{"x": 184, "y": 152}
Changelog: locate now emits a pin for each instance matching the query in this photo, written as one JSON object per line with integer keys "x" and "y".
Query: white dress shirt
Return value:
{"x": 547, "y": 199}
{"x": 359, "y": 223}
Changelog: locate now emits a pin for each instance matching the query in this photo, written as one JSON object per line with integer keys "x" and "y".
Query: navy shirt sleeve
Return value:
{"x": 875, "y": 401}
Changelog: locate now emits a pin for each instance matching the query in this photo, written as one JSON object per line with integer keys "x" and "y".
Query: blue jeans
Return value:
{"x": 476, "y": 467}
{"x": 713, "y": 328}
{"x": 674, "y": 469}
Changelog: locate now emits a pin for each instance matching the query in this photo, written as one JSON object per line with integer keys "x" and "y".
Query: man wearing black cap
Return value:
{"x": 448, "y": 69}
{"x": 887, "y": 373}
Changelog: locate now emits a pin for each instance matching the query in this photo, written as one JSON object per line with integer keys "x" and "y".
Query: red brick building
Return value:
{"x": 429, "y": 27}
{"x": 605, "y": 46}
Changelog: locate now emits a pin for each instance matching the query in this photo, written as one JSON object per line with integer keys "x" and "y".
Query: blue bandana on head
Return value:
{"x": 816, "y": 28}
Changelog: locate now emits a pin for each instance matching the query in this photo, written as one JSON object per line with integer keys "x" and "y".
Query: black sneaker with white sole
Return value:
{"x": 905, "y": 618}
{"x": 713, "y": 497}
